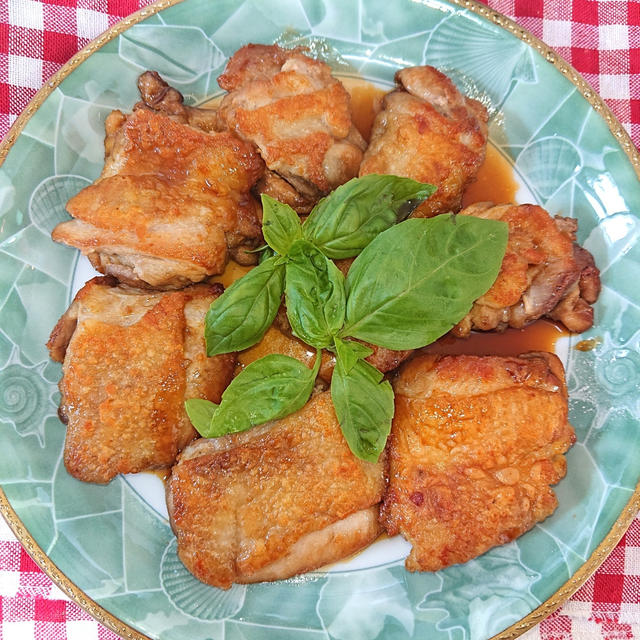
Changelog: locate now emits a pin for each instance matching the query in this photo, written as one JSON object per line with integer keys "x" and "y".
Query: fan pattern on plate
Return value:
{"x": 118, "y": 549}
{"x": 192, "y": 596}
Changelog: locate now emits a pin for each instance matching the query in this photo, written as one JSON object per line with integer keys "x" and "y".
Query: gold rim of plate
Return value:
{"x": 626, "y": 516}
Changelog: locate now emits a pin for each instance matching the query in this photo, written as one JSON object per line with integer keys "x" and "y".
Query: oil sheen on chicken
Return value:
{"x": 544, "y": 273}
{"x": 274, "y": 501}
{"x": 130, "y": 358}
{"x": 299, "y": 117}
{"x": 171, "y": 204}
{"x": 475, "y": 444}
{"x": 427, "y": 130}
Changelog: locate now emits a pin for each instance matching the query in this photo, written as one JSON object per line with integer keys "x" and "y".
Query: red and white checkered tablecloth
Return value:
{"x": 601, "y": 39}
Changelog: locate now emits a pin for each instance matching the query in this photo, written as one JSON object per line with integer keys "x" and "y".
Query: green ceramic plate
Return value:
{"x": 114, "y": 542}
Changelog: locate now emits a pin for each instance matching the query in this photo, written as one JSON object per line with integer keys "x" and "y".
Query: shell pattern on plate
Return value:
{"x": 117, "y": 548}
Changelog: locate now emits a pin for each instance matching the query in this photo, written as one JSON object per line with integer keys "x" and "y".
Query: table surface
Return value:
{"x": 600, "y": 39}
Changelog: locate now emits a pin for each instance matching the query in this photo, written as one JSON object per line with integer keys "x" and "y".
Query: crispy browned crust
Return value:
{"x": 254, "y": 62}
{"x": 299, "y": 117}
{"x": 430, "y": 132}
{"x": 130, "y": 362}
{"x": 240, "y": 504}
{"x": 543, "y": 273}
{"x": 574, "y": 309}
{"x": 168, "y": 192}
{"x": 475, "y": 444}
{"x": 157, "y": 95}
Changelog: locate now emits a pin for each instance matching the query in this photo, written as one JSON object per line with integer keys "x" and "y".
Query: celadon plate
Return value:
{"x": 110, "y": 547}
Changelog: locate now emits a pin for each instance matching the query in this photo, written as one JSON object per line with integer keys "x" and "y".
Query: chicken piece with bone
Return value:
{"x": 172, "y": 203}
{"x": 475, "y": 444}
{"x": 427, "y": 130}
{"x": 159, "y": 96}
{"x": 130, "y": 358}
{"x": 544, "y": 273}
{"x": 299, "y": 117}
{"x": 280, "y": 499}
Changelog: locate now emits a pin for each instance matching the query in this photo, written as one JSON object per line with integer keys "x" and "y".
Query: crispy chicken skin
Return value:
{"x": 170, "y": 205}
{"x": 544, "y": 273}
{"x": 299, "y": 117}
{"x": 427, "y": 130}
{"x": 475, "y": 444}
{"x": 274, "y": 501}
{"x": 130, "y": 358}
{"x": 157, "y": 95}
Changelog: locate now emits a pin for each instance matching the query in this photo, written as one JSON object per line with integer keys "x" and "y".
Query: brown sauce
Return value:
{"x": 366, "y": 102}
{"x": 163, "y": 474}
{"x": 232, "y": 272}
{"x": 538, "y": 336}
{"x": 589, "y": 344}
{"x": 495, "y": 181}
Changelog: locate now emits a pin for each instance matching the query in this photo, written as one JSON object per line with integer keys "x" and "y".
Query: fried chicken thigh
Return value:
{"x": 170, "y": 205}
{"x": 427, "y": 130}
{"x": 299, "y": 117}
{"x": 274, "y": 501}
{"x": 544, "y": 273}
{"x": 157, "y": 95}
{"x": 130, "y": 358}
{"x": 475, "y": 444}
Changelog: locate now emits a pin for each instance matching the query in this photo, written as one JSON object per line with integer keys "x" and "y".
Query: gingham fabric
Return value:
{"x": 600, "y": 39}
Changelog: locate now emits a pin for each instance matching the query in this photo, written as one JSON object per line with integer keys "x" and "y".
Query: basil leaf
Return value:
{"x": 419, "y": 278}
{"x": 314, "y": 295}
{"x": 349, "y": 352}
{"x": 241, "y": 315}
{"x": 280, "y": 225}
{"x": 265, "y": 254}
{"x": 200, "y": 413}
{"x": 267, "y": 389}
{"x": 364, "y": 407}
{"x": 348, "y": 219}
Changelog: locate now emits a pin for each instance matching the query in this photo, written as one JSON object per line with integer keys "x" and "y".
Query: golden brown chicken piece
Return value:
{"x": 171, "y": 204}
{"x": 544, "y": 272}
{"x": 299, "y": 117}
{"x": 157, "y": 95}
{"x": 475, "y": 444}
{"x": 427, "y": 130}
{"x": 274, "y": 501}
{"x": 130, "y": 359}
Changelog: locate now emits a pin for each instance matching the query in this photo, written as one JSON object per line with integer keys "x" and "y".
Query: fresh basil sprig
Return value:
{"x": 280, "y": 225}
{"x": 410, "y": 283}
{"x": 349, "y": 218}
{"x": 200, "y": 412}
{"x": 352, "y": 215}
{"x": 349, "y": 352}
{"x": 314, "y": 295}
{"x": 364, "y": 407}
{"x": 241, "y": 315}
{"x": 415, "y": 281}
{"x": 267, "y": 389}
